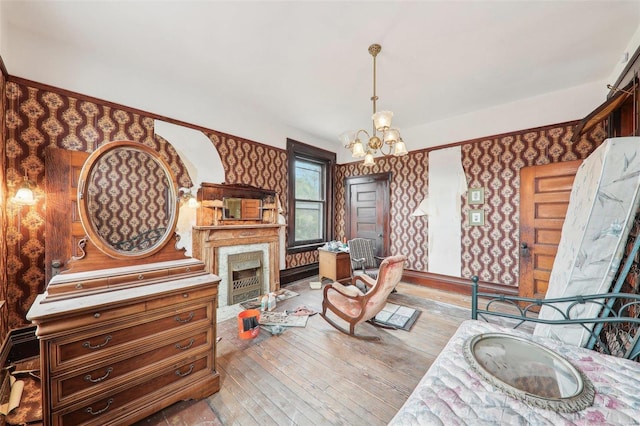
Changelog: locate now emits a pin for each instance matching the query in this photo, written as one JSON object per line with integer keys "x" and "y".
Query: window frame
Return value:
{"x": 300, "y": 151}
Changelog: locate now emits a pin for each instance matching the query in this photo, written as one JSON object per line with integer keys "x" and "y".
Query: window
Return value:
{"x": 311, "y": 196}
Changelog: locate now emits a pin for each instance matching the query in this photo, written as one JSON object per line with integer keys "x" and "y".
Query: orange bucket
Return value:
{"x": 248, "y": 324}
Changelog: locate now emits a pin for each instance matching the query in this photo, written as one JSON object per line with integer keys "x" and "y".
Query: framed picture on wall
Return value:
{"x": 476, "y": 217}
{"x": 475, "y": 196}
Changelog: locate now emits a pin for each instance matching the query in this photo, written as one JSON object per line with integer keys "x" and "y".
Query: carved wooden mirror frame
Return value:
{"x": 129, "y": 185}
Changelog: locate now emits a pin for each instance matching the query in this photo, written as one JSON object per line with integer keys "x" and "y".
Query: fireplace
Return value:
{"x": 215, "y": 244}
{"x": 245, "y": 276}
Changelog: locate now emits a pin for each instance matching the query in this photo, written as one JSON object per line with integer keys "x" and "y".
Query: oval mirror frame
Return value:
{"x": 90, "y": 170}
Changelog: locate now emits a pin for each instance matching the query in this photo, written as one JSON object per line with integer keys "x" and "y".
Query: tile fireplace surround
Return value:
{"x": 213, "y": 245}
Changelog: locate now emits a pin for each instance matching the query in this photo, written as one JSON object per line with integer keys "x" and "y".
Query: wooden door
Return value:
{"x": 544, "y": 198}
{"x": 63, "y": 228}
{"x": 367, "y": 209}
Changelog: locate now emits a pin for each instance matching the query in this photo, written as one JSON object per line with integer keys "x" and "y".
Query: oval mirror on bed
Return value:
{"x": 127, "y": 200}
{"x": 530, "y": 372}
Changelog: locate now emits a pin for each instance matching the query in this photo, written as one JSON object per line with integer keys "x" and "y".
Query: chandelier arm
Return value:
{"x": 386, "y": 153}
{"x": 362, "y": 131}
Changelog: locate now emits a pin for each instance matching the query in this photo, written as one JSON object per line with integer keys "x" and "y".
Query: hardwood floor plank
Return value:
{"x": 316, "y": 375}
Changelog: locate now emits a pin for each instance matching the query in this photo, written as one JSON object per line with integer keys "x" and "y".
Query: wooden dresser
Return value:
{"x": 129, "y": 326}
{"x": 142, "y": 339}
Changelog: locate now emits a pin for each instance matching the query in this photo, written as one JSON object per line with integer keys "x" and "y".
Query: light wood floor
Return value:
{"x": 315, "y": 375}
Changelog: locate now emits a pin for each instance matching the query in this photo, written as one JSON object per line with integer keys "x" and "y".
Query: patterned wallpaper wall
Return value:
{"x": 493, "y": 163}
{"x": 491, "y": 251}
{"x": 3, "y": 214}
{"x": 262, "y": 166}
{"x": 408, "y": 186}
{"x": 37, "y": 118}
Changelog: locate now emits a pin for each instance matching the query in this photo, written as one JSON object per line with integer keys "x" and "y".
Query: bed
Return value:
{"x": 451, "y": 393}
{"x": 584, "y": 319}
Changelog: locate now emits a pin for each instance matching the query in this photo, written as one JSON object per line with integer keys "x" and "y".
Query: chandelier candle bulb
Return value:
{"x": 358, "y": 150}
{"x": 392, "y": 136}
{"x": 382, "y": 120}
{"x": 400, "y": 149}
{"x": 368, "y": 159}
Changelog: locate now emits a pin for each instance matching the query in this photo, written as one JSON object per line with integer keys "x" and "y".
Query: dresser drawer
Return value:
{"x": 137, "y": 277}
{"x": 91, "y": 347}
{"x": 78, "y": 286}
{"x": 107, "y": 408}
{"x": 66, "y": 388}
{"x": 186, "y": 296}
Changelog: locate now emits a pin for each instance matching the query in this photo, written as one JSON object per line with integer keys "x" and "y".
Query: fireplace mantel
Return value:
{"x": 207, "y": 241}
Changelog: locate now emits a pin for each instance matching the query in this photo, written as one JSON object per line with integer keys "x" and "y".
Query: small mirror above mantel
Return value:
{"x": 224, "y": 204}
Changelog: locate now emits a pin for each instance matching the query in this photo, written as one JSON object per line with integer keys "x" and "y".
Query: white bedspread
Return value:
{"x": 451, "y": 393}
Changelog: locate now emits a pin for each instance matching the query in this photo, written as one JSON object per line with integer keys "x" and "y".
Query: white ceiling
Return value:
{"x": 242, "y": 67}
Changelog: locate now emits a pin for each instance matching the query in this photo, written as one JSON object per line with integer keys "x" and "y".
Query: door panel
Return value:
{"x": 63, "y": 228}
{"x": 367, "y": 209}
{"x": 544, "y": 198}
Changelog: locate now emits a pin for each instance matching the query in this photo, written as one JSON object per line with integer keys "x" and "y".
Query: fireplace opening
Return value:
{"x": 245, "y": 276}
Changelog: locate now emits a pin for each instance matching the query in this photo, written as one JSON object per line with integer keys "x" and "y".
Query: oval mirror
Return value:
{"x": 127, "y": 198}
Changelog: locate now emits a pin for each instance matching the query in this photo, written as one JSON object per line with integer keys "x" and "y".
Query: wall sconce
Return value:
{"x": 24, "y": 195}
{"x": 187, "y": 197}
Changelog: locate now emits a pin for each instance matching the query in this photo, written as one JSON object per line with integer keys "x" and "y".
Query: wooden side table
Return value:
{"x": 334, "y": 265}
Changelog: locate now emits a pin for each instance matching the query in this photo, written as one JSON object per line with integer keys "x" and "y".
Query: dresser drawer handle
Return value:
{"x": 182, "y": 348}
{"x": 140, "y": 277}
{"x": 188, "y": 269}
{"x": 178, "y": 373}
{"x": 107, "y": 339}
{"x": 189, "y": 318}
{"x": 88, "y": 378}
{"x": 90, "y": 410}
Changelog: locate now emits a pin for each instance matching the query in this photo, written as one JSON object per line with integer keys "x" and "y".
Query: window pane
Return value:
{"x": 309, "y": 221}
{"x": 308, "y": 180}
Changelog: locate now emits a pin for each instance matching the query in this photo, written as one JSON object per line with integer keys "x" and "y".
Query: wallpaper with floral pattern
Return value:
{"x": 408, "y": 186}
{"x": 3, "y": 215}
{"x": 494, "y": 163}
{"x": 262, "y": 166}
{"x": 36, "y": 118}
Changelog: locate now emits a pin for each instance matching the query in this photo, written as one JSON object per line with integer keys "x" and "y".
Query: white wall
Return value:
{"x": 203, "y": 164}
{"x": 447, "y": 183}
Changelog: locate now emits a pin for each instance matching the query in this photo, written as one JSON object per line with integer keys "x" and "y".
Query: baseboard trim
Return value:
{"x": 287, "y": 276}
{"x": 454, "y": 284}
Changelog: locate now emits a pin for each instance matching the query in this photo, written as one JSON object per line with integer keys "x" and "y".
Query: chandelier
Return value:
{"x": 382, "y": 134}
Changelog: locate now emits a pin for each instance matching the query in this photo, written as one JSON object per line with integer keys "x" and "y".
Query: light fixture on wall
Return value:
{"x": 24, "y": 195}
{"x": 187, "y": 196}
{"x": 382, "y": 133}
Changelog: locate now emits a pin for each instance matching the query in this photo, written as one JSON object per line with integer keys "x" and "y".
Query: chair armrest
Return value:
{"x": 358, "y": 260}
{"x": 350, "y": 292}
{"x": 366, "y": 279}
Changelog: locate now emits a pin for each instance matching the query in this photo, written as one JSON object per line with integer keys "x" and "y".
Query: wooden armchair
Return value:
{"x": 356, "y": 307}
{"x": 363, "y": 259}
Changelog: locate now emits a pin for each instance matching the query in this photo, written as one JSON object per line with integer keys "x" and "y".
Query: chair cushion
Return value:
{"x": 348, "y": 306}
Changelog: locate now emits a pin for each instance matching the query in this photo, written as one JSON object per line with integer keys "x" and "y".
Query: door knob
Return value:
{"x": 524, "y": 249}
{"x": 55, "y": 267}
